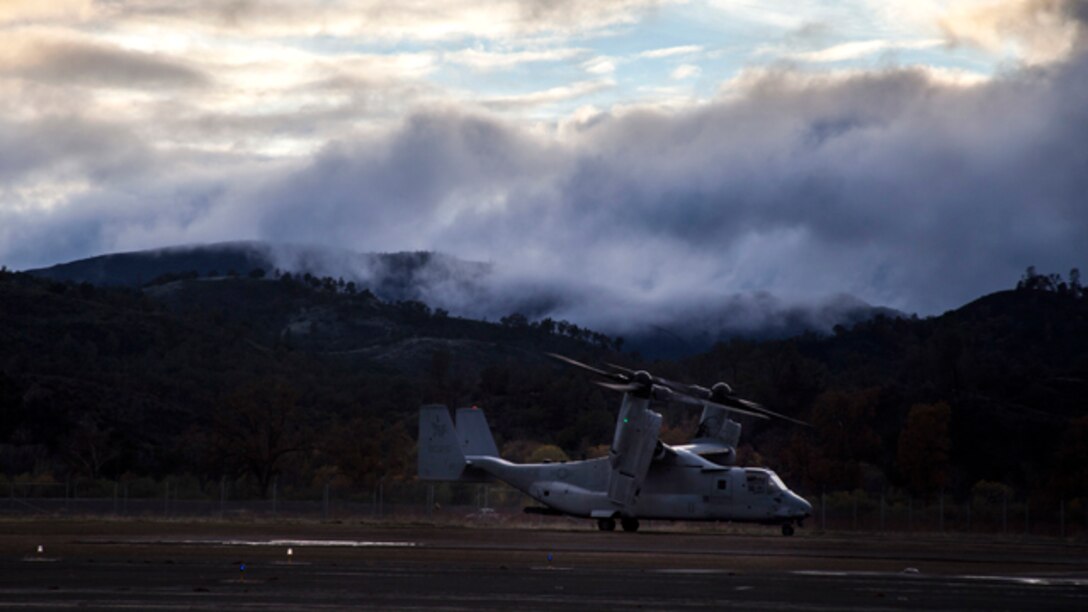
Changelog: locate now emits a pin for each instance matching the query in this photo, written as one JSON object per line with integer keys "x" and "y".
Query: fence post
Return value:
{"x": 115, "y": 498}
{"x": 275, "y": 486}
{"x": 1005, "y": 513}
{"x": 67, "y": 490}
{"x": 381, "y": 498}
{"x": 222, "y": 495}
{"x": 326, "y": 511}
{"x": 165, "y": 497}
{"x": 1061, "y": 518}
{"x": 855, "y": 496}
{"x": 969, "y": 504}
{"x": 882, "y": 511}
{"x": 910, "y": 513}
{"x": 1027, "y": 515}
{"x": 940, "y": 521}
{"x": 124, "y": 506}
{"x": 823, "y": 512}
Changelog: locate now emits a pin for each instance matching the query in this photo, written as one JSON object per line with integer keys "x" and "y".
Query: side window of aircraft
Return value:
{"x": 757, "y": 482}
{"x": 721, "y": 485}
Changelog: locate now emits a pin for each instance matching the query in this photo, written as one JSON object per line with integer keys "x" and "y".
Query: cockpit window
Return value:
{"x": 757, "y": 482}
{"x": 777, "y": 483}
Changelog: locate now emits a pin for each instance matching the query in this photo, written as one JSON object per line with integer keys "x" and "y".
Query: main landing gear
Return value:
{"x": 787, "y": 529}
{"x": 609, "y": 524}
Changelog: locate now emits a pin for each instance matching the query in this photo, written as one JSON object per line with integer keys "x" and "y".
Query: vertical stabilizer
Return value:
{"x": 474, "y": 434}
{"x": 440, "y": 456}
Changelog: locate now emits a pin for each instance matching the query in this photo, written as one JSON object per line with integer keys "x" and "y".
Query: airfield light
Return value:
{"x": 41, "y": 549}
{"x": 290, "y": 553}
{"x": 625, "y": 420}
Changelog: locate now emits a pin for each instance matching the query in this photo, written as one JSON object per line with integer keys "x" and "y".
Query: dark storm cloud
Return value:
{"x": 902, "y": 187}
{"x": 899, "y": 187}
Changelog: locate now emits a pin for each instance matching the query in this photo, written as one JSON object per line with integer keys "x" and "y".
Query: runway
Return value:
{"x": 112, "y": 565}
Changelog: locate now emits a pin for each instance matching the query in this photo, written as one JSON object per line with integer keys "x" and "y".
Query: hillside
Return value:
{"x": 103, "y": 381}
{"x": 253, "y": 377}
{"x": 684, "y": 326}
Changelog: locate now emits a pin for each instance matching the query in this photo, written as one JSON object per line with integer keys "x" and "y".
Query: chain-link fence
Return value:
{"x": 499, "y": 503}
{"x": 860, "y": 511}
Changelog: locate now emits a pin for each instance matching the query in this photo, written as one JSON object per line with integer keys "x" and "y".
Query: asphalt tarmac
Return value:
{"x": 112, "y": 565}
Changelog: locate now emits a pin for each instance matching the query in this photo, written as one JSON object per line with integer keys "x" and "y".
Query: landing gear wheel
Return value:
{"x": 787, "y": 529}
{"x": 629, "y": 524}
{"x": 606, "y": 524}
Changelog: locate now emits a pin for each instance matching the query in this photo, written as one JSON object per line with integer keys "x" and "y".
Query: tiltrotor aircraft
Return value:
{"x": 642, "y": 477}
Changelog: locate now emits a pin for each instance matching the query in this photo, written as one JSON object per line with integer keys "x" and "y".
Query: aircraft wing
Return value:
{"x": 712, "y": 449}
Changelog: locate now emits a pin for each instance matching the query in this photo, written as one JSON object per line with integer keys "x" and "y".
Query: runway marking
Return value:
{"x": 1024, "y": 580}
{"x": 1029, "y": 580}
{"x": 695, "y": 570}
{"x": 306, "y": 543}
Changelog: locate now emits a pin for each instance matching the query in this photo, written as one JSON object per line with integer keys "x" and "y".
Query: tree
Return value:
{"x": 516, "y": 320}
{"x": 843, "y": 426}
{"x": 924, "y": 447}
{"x": 368, "y": 451}
{"x": 256, "y": 429}
{"x": 547, "y": 452}
{"x": 89, "y": 447}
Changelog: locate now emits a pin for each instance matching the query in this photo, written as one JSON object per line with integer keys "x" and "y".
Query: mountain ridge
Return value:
{"x": 471, "y": 289}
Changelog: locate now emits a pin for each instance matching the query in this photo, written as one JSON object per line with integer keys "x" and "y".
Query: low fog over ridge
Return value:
{"x": 913, "y": 188}
{"x": 680, "y": 325}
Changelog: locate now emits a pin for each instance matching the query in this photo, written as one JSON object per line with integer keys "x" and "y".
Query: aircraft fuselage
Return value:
{"x": 682, "y": 486}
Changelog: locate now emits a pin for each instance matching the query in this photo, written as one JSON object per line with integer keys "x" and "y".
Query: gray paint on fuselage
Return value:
{"x": 680, "y": 486}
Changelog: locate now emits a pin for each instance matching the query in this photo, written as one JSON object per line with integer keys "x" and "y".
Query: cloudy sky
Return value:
{"x": 913, "y": 153}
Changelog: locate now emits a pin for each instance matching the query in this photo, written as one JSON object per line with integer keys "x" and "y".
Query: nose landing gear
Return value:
{"x": 787, "y": 529}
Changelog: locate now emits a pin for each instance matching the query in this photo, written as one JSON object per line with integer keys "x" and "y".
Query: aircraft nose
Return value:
{"x": 802, "y": 505}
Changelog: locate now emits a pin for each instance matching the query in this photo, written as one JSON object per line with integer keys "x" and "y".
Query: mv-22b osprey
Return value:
{"x": 642, "y": 477}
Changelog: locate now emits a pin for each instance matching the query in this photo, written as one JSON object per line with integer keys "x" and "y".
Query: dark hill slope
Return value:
{"x": 104, "y": 381}
{"x": 1012, "y": 367}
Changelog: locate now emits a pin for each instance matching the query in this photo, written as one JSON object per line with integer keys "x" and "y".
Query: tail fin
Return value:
{"x": 440, "y": 456}
{"x": 474, "y": 434}
{"x": 442, "y": 447}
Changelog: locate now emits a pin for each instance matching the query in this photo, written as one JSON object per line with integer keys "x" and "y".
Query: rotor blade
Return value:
{"x": 758, "y": 415}
{"x": 680, "y": 398}
{"x": 627, "y": 388}
{"x": 736, "y": 402}
{"x": 656, "y": 379}
{"x": 579, "y": 364}
{"x": 627, "y": 371}
{"x": 683, "y": 392}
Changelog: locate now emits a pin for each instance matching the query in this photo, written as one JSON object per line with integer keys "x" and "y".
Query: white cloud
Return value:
{"x": 600, "y": 65}
{"x": 1036, "y": 30}
{"x": 551, "y": 95}
{"x": 863, "y": 48}
{"x": 492, "y": 60}
{"x": 671, "y": 51}
{"x": 685, "y": 71}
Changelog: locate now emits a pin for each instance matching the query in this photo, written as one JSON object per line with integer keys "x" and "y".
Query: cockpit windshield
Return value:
{"x": 764, "y": 482}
